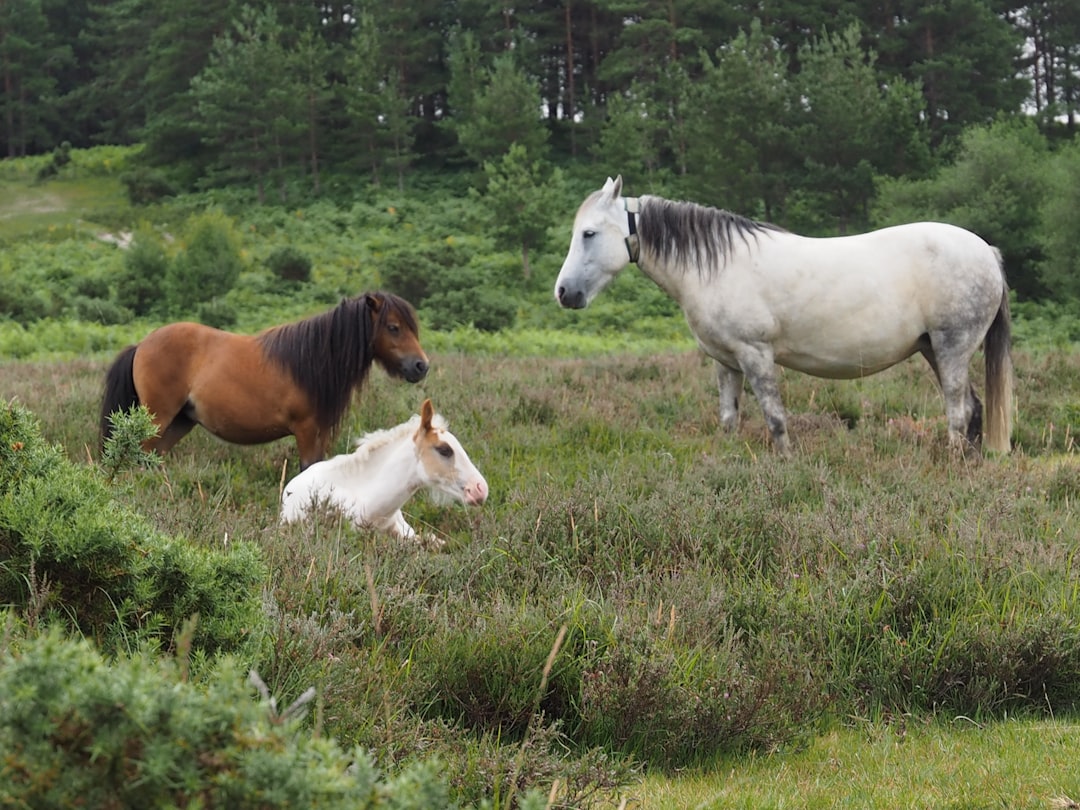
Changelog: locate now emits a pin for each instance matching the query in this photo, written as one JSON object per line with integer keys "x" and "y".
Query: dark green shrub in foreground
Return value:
{"x": 79, "y": 732}
{"x": 70, "y": 553}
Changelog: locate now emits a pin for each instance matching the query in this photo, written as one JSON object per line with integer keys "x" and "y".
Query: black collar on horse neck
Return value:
{"x": 633, "y": 242}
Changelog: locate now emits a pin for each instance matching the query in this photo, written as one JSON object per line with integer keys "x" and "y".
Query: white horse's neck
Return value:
{"x": 381, "y": 478}
{"x": 683, "y": 284}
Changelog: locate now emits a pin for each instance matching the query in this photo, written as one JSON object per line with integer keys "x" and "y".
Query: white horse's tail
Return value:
{"x": 997, "y": 349}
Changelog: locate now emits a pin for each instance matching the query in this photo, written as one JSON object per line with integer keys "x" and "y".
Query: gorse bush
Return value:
{"x": 72, "y": 555}
{"x": 140, "y": 284}
{"x": 138, "y": 732}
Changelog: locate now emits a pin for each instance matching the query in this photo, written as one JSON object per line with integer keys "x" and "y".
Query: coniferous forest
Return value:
{"x": 826, "y": 117}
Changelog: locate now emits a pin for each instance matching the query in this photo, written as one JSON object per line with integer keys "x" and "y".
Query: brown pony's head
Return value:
{"x": 395, "y": 337}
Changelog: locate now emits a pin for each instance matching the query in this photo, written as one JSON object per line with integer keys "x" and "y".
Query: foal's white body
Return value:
{"x": 371, "y": 484}
{"x": 843, "y": 307}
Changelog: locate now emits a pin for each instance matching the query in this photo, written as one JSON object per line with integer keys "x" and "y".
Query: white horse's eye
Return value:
{"x": 589, "y": 234}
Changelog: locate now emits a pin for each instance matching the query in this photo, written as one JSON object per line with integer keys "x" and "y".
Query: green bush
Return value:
{"x": 72, "y": 555}
{"x": 79, "y": 732}
{"x": 145, "y": 185}
{"x": 216, "y": 313}
{"x": 209, "y": 264}
{"x": 140, "y": 284}
{"x": 289, "y": 264}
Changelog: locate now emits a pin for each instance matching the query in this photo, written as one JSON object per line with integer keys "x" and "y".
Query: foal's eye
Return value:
{"x": 444, "y": 450}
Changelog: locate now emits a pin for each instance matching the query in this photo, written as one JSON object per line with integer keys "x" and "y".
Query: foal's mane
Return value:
{"x": 371, "y": 443}
{"x": 329, "y": 355}
{"x": 693, "y": 235}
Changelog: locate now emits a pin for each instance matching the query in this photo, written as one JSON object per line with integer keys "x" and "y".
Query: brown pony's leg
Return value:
{"x": 168, "y": 436}
{"x": 311, "y": 442}
{"x": 161, "y": 372}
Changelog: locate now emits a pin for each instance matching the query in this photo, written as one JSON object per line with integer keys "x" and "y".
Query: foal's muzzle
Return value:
{"x": 570, "y": 300}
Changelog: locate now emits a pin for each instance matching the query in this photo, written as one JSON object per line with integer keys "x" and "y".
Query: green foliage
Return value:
{"x": 61, "y": 157}
{"x": 208, "y": 265}
{"x": 140, "y": 285}
{"x": 136, "y": 733}
{"x": 73, "y": 555}
{"x": 996, "y": 188}
{"x": 1059, "y": 224}
{"x": 520, "y": 199}
{"x": 122, "y": 450}
{"x": 289, "y": 264}
{"x": 146, "y": 185}
{"x": 503, "y": 113}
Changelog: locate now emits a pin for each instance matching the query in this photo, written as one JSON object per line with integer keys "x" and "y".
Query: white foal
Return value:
{"x": 371, "y": 484}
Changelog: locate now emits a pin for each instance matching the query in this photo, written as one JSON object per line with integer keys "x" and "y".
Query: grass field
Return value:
{"x": 680, "y": 557}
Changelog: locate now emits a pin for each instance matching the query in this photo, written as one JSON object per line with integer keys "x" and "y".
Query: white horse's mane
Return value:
{"x": 370, "y": 443}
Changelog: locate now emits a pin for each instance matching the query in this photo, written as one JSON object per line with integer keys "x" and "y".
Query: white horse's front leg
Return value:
{"x": 760, "y": 369}
{"x": 729, "y": 381}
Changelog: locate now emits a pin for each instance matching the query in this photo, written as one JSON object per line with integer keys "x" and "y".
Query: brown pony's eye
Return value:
{"x": 393, "y": 328}
{"x": 444, "y": 450}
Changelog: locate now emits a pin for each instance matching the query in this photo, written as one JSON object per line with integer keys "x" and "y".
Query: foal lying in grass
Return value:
{"x": 371, "y": 484}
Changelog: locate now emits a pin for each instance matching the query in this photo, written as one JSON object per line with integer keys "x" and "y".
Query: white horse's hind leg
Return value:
{"x": 760, "y": 370}
{"x": 729, "y": 381}
{"x": 950, "y": 365}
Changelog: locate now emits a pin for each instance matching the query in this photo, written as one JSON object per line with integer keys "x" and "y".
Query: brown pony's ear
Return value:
{"x": 373, "y": 301}
{"x": 426, "y": 414}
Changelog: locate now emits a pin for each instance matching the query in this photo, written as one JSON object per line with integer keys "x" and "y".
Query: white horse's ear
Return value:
{"x": 614, "y": 187}
{"x": 426, "y": 414}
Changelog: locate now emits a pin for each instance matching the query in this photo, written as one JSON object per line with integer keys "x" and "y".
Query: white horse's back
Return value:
{"x": 848, "y": 306}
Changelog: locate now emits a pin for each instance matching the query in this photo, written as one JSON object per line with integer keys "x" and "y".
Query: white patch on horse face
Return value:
{"x": 448, "y": 468}
{"x": 597, "y": 250}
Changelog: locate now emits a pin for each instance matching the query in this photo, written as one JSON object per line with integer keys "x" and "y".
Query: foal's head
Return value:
{"x": 396, "y": 337}
{"x": 444, "y": 465}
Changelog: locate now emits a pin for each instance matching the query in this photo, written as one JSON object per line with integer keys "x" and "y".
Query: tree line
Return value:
{"x": 121, "y": 71}
{"x": 792, "y": 112}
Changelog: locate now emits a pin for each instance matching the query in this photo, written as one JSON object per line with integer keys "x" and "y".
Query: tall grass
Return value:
{"x": 716, "y": 599}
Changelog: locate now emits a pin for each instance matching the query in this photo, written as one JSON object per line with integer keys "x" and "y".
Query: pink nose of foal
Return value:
{"x": 476, "y": 492}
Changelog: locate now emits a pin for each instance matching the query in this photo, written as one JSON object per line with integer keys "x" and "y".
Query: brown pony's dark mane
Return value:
{"x": 693, "y": 235}
{"x": 329, "y": 355}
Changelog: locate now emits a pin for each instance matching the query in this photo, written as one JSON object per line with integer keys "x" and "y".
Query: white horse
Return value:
{"x": 755, "y": 295}
{"x": 371, "y": 484}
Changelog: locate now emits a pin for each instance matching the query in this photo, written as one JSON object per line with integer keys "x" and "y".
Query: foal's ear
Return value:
{"x": 426, "y": 415}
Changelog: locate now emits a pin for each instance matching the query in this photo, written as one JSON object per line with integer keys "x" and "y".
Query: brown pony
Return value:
{"x": 296, "y": 379}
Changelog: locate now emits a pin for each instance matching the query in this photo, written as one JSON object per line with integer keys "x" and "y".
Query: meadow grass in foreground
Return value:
{"x": 720, "y": 603}
{"x": 1018, "y": 764}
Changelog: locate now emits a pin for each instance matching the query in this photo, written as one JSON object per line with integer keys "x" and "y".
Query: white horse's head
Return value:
{"x": 598, "y": 247}
{"x": 444, "y": 466}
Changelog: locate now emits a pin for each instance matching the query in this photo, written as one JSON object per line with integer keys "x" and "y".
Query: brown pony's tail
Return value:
{"x": 997, "y": 349}
{"x": 120, "y": 393}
